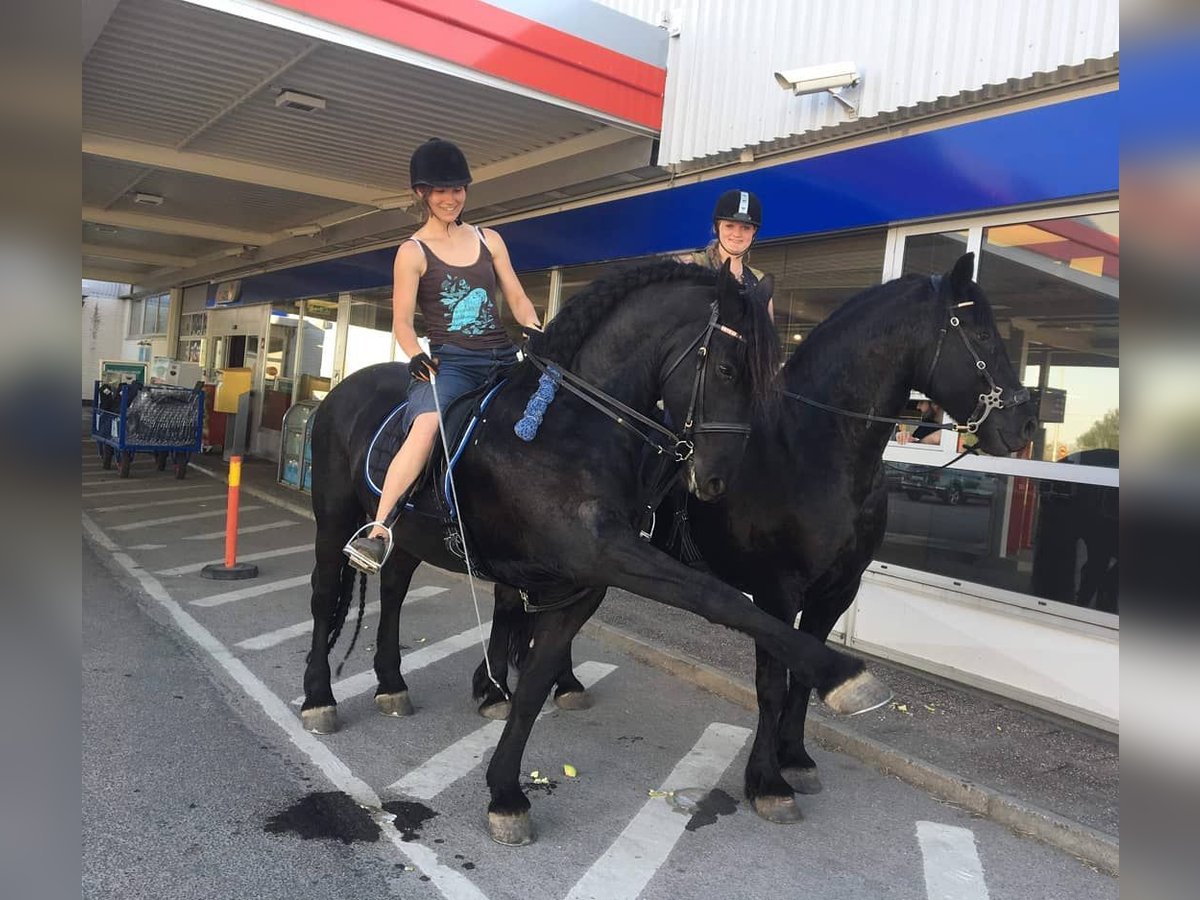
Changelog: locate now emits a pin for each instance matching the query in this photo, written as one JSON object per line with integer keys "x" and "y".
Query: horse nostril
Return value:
{"x": 1028, "y": 430}
{"x": 715, "y": 487}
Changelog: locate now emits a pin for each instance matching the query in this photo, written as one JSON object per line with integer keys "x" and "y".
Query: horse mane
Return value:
{"x": 579, "y": 316}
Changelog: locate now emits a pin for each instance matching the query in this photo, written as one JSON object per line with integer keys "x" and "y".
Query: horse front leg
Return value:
{"x": 765, "y": 786}
{"x": 843, "y": 681}
{"x": 821, "y": 612}
{"x": 391, "y": 691}
{"x": 509, "y": 821}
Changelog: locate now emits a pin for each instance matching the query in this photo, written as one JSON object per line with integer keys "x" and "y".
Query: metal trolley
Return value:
{"x": 164, "y": 420}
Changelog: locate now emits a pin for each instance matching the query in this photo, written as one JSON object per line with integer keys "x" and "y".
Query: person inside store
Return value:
{"x": 927, "y": 431}
{"x": 736, "y": 218}
{"x": 455, "y": 274}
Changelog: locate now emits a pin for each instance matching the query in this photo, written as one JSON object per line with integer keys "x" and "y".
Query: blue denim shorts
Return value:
{"x": 459, "y": 370}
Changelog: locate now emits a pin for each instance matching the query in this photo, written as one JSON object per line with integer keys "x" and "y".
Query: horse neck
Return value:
{"x": 867, "y": 365}
{"x": 623, "y": 357}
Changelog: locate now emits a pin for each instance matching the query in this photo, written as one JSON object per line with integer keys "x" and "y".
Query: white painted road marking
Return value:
{"x": 452, "y": 883}
{"x": 148, "y": 504}
{"x": 255, "y": 590}
{"x": 170, "y": 520}
{"x": 146, "y": 547}
{"x": 253, "y": 529}
{"x": 249, "y": 557}
{"x": 952, "y": 867}
{"x": 125, "y": 492}
{"x": 410, "y": 662}
{"x": 442, "y": 769}
{"x": 628, "y": 865}
{"x": 272, "y": 638}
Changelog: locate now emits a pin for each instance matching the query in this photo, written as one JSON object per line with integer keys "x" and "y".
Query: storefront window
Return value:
{"x": 1056, "y": 540}
{"x": 369, "y": 336}
{"x": 929, "y": 254}
{"x": 1056, "y": 281}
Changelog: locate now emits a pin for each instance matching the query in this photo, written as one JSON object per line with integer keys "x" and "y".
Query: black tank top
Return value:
{"x": 458, "y": 303}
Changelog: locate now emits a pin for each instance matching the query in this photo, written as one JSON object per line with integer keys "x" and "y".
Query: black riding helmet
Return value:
{"x": 738, "y": 206}
{"x": 440, "y": 164}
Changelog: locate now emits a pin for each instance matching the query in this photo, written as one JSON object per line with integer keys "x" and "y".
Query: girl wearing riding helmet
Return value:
{"x": 453, "y": 273}
{"x": 736, "y": 220}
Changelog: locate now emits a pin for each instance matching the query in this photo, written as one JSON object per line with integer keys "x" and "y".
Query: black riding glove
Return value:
{"x": 422, "y": 366}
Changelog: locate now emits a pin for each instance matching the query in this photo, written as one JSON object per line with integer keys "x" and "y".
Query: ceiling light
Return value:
{"x": 299, "y": 101}
{"x": 304, "y": 230}
{"x": 105, "y": 229}
{"x": 147, "y": 199}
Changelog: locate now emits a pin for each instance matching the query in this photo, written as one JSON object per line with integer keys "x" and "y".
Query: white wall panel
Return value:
{"x": 721, "y": 94}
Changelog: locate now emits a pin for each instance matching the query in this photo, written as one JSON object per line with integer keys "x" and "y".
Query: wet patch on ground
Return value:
{"x": 703, "y": 806}
{"x": 410, "y": 817}
{"x": 327, "y": 815}
{"x": 545, "y": 787}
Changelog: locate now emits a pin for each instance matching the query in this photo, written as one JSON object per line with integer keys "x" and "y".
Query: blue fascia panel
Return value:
{"x": 1056, "y": 152}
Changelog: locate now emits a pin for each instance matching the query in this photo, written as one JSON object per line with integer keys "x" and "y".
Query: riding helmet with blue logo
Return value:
{"x": 440, "y": 164}
{"x": 738, "y": 206}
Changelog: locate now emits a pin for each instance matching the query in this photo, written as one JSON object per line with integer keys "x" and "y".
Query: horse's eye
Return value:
{"x": 726, "y": 371}
{"x": 984, "y": 336}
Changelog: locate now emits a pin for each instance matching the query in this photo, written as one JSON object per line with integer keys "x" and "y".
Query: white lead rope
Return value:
{"x": 462, "y": 534}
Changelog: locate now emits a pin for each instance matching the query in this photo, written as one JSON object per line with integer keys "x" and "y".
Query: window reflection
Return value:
{"x": 1055, "y": 284}
{"x": 1053, "y": 539}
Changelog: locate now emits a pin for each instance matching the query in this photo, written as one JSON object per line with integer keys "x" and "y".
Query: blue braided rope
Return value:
{"x": 527, "y": 426}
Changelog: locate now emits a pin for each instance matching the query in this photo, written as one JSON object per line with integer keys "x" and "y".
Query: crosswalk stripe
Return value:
{"x": 410, "y": 662}
{"x": 951, "y": 863}
{"x": 144, "y": 504}
{"x": 249, "y": 557}
{"x": 279, "y": 635}
{"x": 126, "y": 492}
{"x": 624, "y": 870}
{"x": 442, "y": 769}
{"x": 170, "y": 520}
{"x": 256, "y": 590}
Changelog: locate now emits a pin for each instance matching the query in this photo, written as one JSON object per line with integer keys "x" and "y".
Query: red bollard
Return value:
{"x": 232, "y": 570}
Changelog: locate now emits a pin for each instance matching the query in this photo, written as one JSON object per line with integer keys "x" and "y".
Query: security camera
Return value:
{"x": 811, "y": 79}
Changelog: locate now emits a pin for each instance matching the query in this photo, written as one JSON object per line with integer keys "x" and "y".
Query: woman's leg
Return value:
{"x": 368, "y": 553}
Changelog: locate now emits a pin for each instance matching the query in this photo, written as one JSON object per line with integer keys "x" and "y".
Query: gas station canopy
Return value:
{"x": 226, "y": 137}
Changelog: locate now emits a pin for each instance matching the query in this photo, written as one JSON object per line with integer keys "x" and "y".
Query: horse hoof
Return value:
{"x": 780, "y": 810}
{"x": 498, "y": 710}
{"x": 394, "y": 704}
{"x": 573, "y": 700}
{"x": 803, "y": 781}
{"x": 320, "y": 719}
{"x": 511, "y": 830}
{"x": 862, "y": 693}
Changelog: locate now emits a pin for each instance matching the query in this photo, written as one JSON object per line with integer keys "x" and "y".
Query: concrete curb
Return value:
{"x": 1087, "y": 844}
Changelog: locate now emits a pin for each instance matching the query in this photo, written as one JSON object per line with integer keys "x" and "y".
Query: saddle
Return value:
{"x": 430, "y": 494}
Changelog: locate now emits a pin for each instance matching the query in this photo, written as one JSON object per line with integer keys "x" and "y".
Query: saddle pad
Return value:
{"x": 460, "y": 421}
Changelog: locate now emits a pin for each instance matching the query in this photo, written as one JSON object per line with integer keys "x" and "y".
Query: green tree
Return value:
{"x": 1104, "y": 432}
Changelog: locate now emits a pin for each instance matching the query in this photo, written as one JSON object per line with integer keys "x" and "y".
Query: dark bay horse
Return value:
{"x": 558, "y": 512}
{"x": 806, "y": 511}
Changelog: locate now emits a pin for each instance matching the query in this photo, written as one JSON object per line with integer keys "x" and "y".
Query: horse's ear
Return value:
{"x": 764, "y": 290}
{"x": 962, "y": 275}
{"x": 730, "y": 302}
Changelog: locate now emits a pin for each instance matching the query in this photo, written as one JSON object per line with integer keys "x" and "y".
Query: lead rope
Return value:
{"x": 437, "y": 403}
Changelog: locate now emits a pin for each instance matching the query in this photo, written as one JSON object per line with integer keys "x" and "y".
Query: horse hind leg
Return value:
{"x": 569, "y": 692}
{"x": 391, "y": 692}
{"x": 511, "y": 630}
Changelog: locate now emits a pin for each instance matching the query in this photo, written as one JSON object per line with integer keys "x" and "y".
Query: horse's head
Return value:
{"x": 718, "y": 374}
{"x": 967, "y": 369}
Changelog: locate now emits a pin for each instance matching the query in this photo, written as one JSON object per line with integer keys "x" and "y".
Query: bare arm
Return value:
{"x": 518, "y": 302}
{"x": 406, "y": 272}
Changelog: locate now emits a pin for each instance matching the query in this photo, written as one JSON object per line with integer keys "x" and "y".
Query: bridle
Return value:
{"x": 681, "y": 444}
{"x": 992, "y": 399}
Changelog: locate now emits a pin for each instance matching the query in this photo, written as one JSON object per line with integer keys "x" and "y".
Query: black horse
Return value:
{"x": 559, "y": 511}
{"x": 806, "y": 511}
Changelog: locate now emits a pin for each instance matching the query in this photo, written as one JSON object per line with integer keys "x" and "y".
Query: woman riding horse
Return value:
{"x": 556, "y": 510}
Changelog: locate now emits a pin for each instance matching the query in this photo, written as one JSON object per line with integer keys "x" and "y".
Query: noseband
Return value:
{"x": 993, "y": 398}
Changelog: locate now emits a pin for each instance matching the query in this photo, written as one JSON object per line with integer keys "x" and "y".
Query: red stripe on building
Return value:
{"x": 473, "y": 34}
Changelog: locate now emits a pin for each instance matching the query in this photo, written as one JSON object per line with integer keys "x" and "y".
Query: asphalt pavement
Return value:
{"x": 198, "y": 778}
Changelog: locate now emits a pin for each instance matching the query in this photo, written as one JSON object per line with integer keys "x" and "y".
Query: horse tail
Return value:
{"x": 342, "y": 609}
